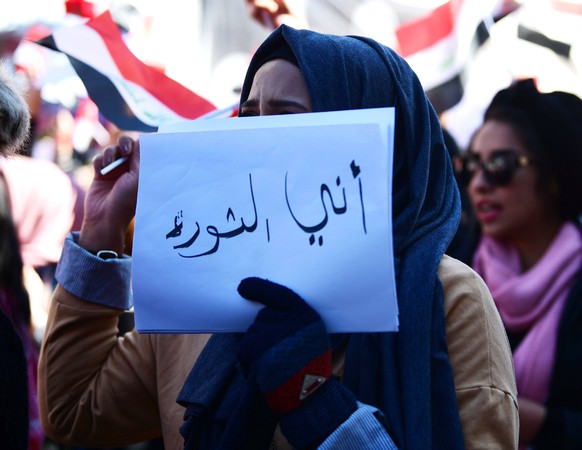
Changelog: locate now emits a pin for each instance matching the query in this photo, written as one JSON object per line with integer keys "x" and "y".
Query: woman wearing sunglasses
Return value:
{"x": 522, "y": 173}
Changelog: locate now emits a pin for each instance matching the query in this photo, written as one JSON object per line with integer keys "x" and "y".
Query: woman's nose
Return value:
{"x": 478, "y": 181}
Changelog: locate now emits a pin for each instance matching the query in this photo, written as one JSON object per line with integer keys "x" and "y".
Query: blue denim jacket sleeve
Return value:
{"x": 105, "y": 282}
{"x": 361, "y": 431}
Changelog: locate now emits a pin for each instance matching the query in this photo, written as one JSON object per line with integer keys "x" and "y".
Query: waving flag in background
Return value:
{"x": 539, "y": 40}
{"x": 128, "y": 92}
{"x": 555, "y": 26}
{"x": 439, "y": 46}
{"x": 81, "y": 8}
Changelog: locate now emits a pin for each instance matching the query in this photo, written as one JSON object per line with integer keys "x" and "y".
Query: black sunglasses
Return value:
{"x": 498, "y": 170}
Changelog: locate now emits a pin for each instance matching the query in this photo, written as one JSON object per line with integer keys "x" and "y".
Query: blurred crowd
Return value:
{"x": 516, "y": 232}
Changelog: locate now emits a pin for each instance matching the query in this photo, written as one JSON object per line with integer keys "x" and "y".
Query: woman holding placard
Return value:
{"x": 445, "y": 380}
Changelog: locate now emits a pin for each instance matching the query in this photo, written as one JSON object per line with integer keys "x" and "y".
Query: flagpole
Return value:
{"x": 217, "y": 113}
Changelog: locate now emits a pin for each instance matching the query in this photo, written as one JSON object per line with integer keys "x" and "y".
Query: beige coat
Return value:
{"x": 99, "y": 389}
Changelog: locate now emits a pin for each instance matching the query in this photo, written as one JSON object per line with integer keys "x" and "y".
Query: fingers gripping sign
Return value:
{"x": 287, "y": 351}
{"x": 287, "y": 348}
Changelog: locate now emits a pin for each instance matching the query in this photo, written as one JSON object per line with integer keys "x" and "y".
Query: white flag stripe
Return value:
{"x": 86, "y": 45}
{"x": 444, "y": 60}
{"x": 145, "y": 106}
{"x": 437, "y": 64}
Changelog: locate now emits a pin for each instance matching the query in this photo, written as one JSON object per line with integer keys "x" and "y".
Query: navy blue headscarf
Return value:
{"x": 406, "y": 374}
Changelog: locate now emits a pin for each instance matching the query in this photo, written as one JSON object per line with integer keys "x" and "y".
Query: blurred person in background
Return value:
{"x": 20, "y": 427}
{"x": 42, "y": 200}
{"x": 46, "y": 200}
{"x": 274, "y": 13}
{"x": 522, "y": 174}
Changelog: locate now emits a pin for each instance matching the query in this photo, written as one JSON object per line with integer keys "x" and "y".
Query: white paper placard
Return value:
{"x": 303, "y": 200}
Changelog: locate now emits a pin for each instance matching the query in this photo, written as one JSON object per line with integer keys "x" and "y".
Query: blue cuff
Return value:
{"x": 311, "y": 423}
{"x": 105, "y": 282}
{"x": 363, "y": 430}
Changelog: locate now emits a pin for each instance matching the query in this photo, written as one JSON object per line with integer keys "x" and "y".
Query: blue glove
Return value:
{"x": 287, "y": 351}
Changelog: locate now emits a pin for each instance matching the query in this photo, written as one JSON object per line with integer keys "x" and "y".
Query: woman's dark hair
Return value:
{"x": 550, "y": 126}
{"x": 14, "y": 113}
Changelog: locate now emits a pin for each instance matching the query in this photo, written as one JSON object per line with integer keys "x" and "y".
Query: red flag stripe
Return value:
{"x": 81, "y": 8}
{"x": 571, "y": 7}
{"x": 163, "y": 88}
{"x": 428, "y": 30}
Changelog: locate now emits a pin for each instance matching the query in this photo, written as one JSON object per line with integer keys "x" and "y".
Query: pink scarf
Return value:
{"x": 532, "y": 301}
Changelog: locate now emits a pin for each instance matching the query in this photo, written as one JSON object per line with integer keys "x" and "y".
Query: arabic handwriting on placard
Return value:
{"x": 312, "y": 229}
{"x": 268, "y": 231}
{"x": 355, "y": 173}
{"x": 177, "y": 231}
{"x": 213, "y": 230}
{"x": 190, "y": 241}
{"x": 325, "y": 191}
{"x": 229, "y": 215}
{"x": 325, "y": 195}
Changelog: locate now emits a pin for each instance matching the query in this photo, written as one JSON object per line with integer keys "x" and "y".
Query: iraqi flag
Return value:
{"x": 541, "y": 40}
{"x": 555, "y": 26}
{"x": 128, "y": 92}
{"x": 439, "y": 46}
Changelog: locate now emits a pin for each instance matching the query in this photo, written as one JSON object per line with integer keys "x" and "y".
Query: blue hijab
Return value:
{"x": 407, "y": 374}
